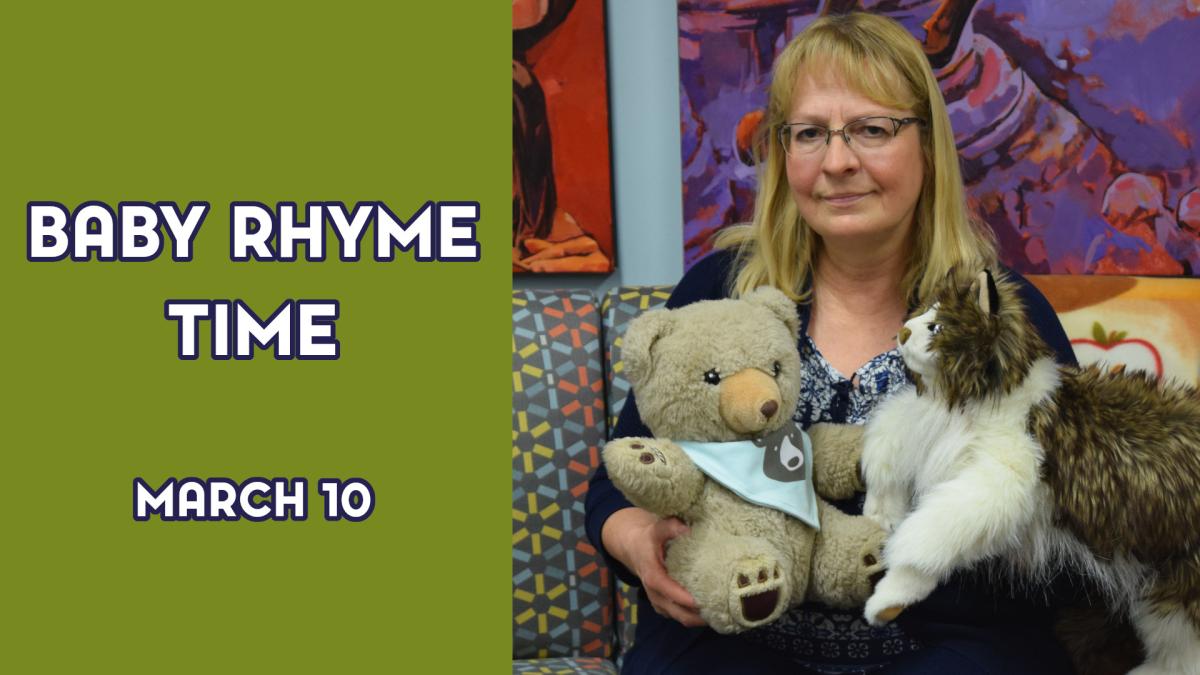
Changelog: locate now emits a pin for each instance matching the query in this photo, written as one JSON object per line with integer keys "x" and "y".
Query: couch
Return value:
{"x": 570, "y": 614}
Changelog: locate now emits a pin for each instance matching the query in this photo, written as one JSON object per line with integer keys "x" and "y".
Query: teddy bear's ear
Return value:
{"x": 780, "y": 304}
{"x": 637, "y": 349}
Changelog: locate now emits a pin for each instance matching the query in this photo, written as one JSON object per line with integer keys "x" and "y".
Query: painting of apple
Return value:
{"x": 1114, "y": 349}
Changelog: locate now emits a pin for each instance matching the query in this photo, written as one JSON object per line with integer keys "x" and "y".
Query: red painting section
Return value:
{"x": 570, "y": 64}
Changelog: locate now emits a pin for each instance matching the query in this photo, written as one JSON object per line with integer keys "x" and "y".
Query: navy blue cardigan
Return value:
{"x": 980, "y": 625}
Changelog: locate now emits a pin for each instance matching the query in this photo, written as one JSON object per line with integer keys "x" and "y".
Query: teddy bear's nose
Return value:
{"x": 769, "y": 408}
{"x": 904, "y": 334}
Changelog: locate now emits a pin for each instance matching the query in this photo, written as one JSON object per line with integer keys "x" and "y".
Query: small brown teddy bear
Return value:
{"x": 723, "y": 372}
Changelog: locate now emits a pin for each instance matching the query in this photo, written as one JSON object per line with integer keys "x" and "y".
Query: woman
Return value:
{"x": 860, "y": 214}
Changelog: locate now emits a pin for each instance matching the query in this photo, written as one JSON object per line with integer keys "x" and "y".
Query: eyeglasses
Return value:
{"x": 867, "y": 133}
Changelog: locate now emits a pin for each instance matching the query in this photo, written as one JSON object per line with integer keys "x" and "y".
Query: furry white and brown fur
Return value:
{"x": 999, "y": 453}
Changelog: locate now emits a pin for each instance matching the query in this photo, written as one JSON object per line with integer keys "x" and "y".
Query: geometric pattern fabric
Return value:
{"x": 627, "y": 617}
{"x": 621, "y": 304}
{"x": 562, "y": 596}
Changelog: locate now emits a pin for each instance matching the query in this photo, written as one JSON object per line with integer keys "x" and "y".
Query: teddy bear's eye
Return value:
{"x": 775, "y": 369}
{"x": 934, "y": 328}
{"x": 712, "y": 377}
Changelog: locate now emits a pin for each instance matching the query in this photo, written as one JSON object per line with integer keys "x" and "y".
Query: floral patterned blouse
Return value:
{"x": 838, "y": 641}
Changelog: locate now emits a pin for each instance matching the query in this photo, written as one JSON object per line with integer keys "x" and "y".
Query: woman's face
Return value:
{"x": 851, "y": 194}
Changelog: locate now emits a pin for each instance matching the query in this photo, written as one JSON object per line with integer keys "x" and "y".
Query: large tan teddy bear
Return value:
{"x": 726, "y": 371}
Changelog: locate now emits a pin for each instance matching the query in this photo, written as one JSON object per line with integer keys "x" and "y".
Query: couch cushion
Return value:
{"x": 562, "y": 598}
{"x": 620, "y": 305}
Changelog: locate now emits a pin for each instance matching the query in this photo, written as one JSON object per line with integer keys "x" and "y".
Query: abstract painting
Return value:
{"x": 1076, "y": 121}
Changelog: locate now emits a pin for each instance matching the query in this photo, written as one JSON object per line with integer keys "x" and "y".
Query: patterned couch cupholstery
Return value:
{"x": 568, "y": 617}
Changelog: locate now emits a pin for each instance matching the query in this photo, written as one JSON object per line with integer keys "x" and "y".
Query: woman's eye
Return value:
{"x": 712, "y": 377}
{"x": 808, "y": 134}
{"x": 776, "y": 369}
{"x": 872, "y": 131}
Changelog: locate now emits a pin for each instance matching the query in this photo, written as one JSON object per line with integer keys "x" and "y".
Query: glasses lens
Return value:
{"x": 870, "y": 132}
{"x": 801, "y": 139}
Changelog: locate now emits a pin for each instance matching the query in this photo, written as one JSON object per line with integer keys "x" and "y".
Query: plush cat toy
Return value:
{"x": 997, "y": 452}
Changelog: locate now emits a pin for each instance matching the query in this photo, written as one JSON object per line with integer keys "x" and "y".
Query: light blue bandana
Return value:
{"x": 774, "y": 471}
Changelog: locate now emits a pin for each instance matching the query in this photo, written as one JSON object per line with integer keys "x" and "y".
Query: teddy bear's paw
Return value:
{"x": 900, "y": 588}
{"x": 859, "y": 572}
{"x": 654, "y": 474}
{"x": 644, "y": 452}
{"x": 871, "y": 558}
{"x": 759, "y": 591}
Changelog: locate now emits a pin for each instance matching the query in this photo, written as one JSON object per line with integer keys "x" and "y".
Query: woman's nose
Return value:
{"x": 839, "y": 156}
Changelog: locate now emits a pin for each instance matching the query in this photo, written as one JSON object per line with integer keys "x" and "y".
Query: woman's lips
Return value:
{"x": 845, "y": 199}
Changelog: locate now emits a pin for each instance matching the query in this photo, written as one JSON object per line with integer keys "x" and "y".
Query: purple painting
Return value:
{"x": 1077, "y": 121}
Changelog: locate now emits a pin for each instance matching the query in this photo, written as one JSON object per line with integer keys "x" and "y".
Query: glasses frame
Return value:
{"x": 898, "y": 123}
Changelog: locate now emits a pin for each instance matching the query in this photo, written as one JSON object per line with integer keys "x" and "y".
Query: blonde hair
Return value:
{"x": 878, "y": 58}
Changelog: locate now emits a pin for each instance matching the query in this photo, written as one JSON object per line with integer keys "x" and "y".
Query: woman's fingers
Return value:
{"x": 668, "y": 589}
{"x": 638, "y": 539}
{"x": 688, "y": 617}
{"x": 667, "y": 596}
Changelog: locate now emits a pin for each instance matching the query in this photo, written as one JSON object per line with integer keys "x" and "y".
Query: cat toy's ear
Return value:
{"x": 989, "y": 297}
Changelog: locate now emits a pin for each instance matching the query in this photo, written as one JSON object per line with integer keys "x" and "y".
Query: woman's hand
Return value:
{"x": 638, "y": 539}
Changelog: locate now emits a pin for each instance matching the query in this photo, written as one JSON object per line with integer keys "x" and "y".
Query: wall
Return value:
{"x": 643, "y": 59}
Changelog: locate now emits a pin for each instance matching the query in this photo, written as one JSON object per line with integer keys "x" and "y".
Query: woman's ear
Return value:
{"x": 637, "y": 347}
{"x": 779, "y": 303}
